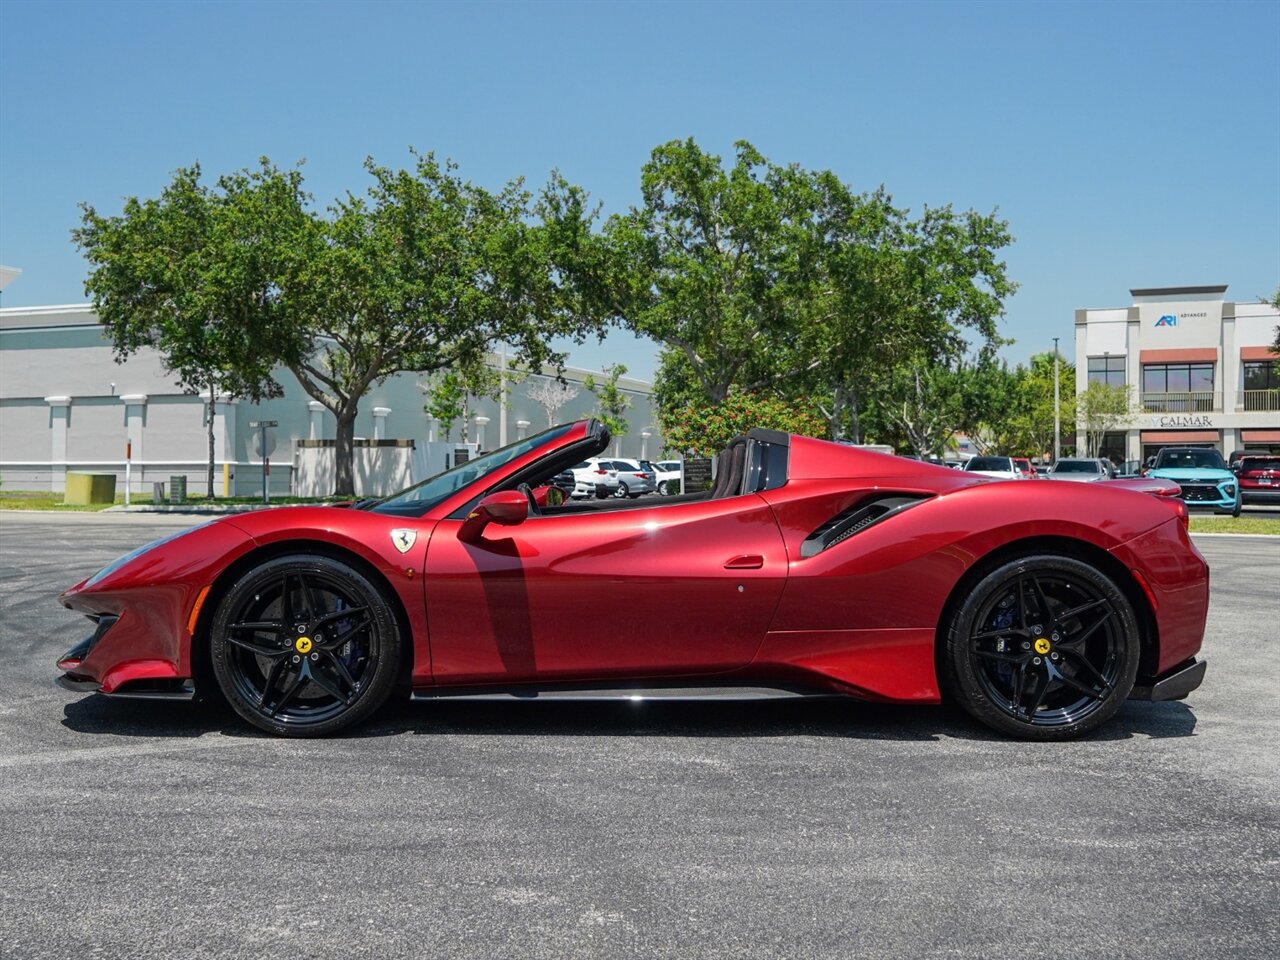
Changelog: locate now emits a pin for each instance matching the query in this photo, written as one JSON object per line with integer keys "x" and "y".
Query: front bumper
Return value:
{"x": 1173, "y": 684}
{"x": 1203, "y": 495}
{"x": 150, "y": 679}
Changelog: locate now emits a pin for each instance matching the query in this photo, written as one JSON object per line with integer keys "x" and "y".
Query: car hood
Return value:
{"x": 1077, "y": 477}
{"x": 1204, "y": 474}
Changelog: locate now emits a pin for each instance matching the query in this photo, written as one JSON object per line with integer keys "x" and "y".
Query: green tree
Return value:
{"x": 893, "y": 292}
{"x": 768, "y": 278}
{"x": 425, "y": 273}
{"x": 1101, "y": 409}
{"x": 712, "y": 264}
{"x": 1034, "y": 403}
{"x": 613, "y": 403}
{"x": 192, "y": 274}
{"x": 929, "y": 406}
{"x": 449, "y": 393}
{"x": 704, "y": 430}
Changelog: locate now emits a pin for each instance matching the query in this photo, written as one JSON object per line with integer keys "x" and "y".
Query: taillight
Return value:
{"x": 603, "y": 473}
{"x": 1180, "y": 508}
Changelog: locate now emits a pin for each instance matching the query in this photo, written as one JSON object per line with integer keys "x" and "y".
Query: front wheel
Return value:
{"x": 1044, "y": 648}
{"x": 622, "y": 491}
{"x": 304, "y": 646}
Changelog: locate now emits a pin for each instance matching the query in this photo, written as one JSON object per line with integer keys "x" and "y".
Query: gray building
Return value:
{"x": 65, "y": 405}
{"x": 1199, "y": 367}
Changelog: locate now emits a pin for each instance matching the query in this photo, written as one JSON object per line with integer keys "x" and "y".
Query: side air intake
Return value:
{"x": 856, "y": 519}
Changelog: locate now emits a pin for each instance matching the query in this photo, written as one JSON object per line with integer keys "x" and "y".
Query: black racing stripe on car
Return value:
{"x": 858, "y": 518}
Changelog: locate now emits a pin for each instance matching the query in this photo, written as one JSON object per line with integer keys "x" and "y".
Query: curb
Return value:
{"x": 192, "y": 509}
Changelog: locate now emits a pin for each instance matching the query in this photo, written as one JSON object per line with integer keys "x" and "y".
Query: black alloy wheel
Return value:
{"x": 1044, "y": 647}
{"x": 304, "y": 646}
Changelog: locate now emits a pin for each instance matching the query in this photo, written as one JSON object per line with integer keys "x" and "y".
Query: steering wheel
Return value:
{"x": 534, "y": 509}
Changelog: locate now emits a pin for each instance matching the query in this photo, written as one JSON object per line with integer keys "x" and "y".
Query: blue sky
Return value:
{"x": 1128, "y": 144}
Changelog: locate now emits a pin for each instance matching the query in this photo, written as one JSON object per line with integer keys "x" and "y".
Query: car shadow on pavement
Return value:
{"x": 849, "y": 719}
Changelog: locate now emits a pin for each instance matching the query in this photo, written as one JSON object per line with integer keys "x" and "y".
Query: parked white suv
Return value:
{"x": 1082, "y": 469}
{"x": 591, "y": 478}
{"x": 1002, "y": 468}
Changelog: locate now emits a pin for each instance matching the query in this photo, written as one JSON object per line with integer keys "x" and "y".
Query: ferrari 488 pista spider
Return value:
{"x": 809, "y": 568}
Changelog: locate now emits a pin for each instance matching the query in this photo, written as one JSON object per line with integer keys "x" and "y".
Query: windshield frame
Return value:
{"x": 439, "y": 489}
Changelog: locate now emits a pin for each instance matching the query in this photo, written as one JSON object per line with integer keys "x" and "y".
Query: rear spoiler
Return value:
{"x": 1153, "y": 485}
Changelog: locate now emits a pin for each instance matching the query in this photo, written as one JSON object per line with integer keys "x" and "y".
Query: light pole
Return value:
{"x": 1057, "y": 407}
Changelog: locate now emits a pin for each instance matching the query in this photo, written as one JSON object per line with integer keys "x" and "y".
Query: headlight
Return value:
{"x": 119, "y": 562}
{"x": 1229, "y": 489}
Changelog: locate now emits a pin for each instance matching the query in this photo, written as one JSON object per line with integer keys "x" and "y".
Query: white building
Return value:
{"x": 1200, "y": 369}
{"x": 65, "y": 405}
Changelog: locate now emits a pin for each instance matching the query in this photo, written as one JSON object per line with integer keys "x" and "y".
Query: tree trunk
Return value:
{"x": 834, "y": 430}
{"x": 855, "y": 424}
{"x": 344, "y": 452}
{"x": 213, "y": 408}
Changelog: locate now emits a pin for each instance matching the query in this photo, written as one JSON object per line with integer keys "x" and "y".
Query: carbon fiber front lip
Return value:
{"x": 138, "y": 690}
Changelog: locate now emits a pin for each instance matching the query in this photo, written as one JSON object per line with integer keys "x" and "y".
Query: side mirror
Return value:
{"x": 506, "y": 508}
{"x": 548, "y": 496}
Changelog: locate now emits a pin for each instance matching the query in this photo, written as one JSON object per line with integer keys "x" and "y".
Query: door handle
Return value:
{"x": 751, "y": 561}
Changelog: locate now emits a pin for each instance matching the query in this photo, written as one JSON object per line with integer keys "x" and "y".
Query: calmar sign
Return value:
{"x": 1186, "y": 420}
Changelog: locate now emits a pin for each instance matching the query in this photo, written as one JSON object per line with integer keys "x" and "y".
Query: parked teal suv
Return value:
{"x": 1203, "y": 476}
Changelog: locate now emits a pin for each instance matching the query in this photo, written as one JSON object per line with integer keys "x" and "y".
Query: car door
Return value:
{"x": 569, "y": 596}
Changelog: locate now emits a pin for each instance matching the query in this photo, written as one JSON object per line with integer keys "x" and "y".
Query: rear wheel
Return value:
{"x": 622, "y": 491}
{"x": 304, "y": 646}
{"x": 1044, "y": 647}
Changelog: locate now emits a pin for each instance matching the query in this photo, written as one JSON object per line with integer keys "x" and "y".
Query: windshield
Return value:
{"x": 1076, "y": 466}
{"x": 989, "y": 463}
{"x": 1206, "y": 459}
{"x": 421, "y": 497}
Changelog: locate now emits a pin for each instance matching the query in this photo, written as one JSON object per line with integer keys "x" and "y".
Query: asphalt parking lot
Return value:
{"x": 136, "y": 829}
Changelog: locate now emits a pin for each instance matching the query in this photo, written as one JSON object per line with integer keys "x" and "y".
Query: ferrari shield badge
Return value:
{"x": 404, "y": 539}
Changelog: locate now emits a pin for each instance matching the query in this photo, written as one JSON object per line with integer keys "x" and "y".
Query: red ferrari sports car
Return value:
{"x": 809, "y": 568}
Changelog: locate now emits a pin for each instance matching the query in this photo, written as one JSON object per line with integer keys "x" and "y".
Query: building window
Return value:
{"x": 1108, "y": 370}
{"x": 1177, "y": 387}
{"x": 1113, "y": 446}
{"x": 1261, "y": 385}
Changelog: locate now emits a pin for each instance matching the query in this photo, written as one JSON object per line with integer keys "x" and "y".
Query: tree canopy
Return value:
{"x": 772, "y": 279}
{"x": 193, "y": 274}
{"x": 424, "y": 272}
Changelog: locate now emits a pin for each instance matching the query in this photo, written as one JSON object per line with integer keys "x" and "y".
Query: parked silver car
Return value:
{"x": 1082, "y": 469}
{"x": 633, "y": 479}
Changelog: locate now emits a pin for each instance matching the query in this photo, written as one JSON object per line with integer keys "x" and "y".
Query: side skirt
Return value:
{"x": 632, "y": 693}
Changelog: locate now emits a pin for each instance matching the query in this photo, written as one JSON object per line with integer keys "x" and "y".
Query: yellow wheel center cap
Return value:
{"x": 303, "y": 645}
{"x": 1042, "y": 645}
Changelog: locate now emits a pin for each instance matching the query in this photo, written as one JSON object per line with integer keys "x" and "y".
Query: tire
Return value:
{"x": 1044, "y": 647}
{"x": 1238, "y": 507}
{"x": 622, "y": 491}
{"x": 304, "y": 646}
